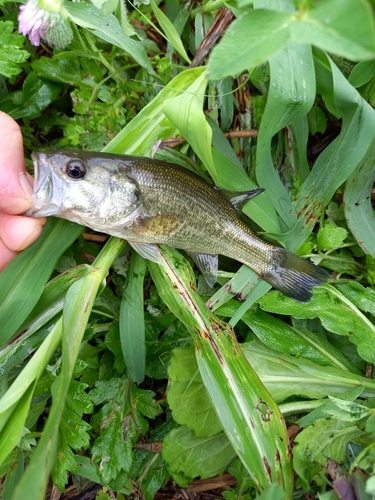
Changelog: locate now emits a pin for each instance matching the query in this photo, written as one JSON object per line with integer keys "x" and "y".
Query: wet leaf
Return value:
{"x": 192, "y": 456}
{"x": 337, "y": 314}
{"x": 107, "y": 28}
{"x": 324, "y": 439}
{"x": 35, "y": 96}
{"x": 11, "y": 53}
{"x": 188, "y": 398}
{"x": 330, "y": 237}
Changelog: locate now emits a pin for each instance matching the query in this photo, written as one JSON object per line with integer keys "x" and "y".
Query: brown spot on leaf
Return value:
{"x": 267, "y": 466}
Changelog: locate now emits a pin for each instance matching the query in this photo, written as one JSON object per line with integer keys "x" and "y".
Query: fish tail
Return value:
{"x": 292, "y": 275}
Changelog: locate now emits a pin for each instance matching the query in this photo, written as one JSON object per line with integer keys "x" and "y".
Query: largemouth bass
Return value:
{"x": 151, "y": 202}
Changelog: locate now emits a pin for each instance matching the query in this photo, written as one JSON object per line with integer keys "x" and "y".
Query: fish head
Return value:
{"x": 88, "y": 188}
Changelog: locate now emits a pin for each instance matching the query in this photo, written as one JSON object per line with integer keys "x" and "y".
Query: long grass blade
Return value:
{"x": 141, "y": 134}
{"x": 292, "y": 91}
{"x": 23, "y": 280}
{"x": 18, "y": 396}
{"x": 249, "y": 415}
{"x": 339, "y": 160}
{"x": 132, "y": 323}
{"x": 170, "y": 31}
{"x": 77, "y": 309}
{"x": 357, "y": 202}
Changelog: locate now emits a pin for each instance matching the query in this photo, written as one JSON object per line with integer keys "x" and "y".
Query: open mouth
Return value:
{"x": 43, "y": 188}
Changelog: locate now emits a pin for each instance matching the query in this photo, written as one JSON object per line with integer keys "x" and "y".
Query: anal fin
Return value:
{"x": 208, "y": 265}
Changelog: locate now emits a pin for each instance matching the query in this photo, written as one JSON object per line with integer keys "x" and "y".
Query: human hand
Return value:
{"x": 16, "y": 232}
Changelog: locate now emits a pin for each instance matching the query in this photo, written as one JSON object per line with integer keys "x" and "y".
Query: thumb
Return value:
{"x": 15, "y": 184}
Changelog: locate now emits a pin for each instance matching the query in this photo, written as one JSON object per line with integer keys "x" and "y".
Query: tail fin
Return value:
{"x": 293, "y": 276}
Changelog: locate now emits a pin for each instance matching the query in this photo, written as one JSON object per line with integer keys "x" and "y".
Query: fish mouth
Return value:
{"x": 43, "y": 202}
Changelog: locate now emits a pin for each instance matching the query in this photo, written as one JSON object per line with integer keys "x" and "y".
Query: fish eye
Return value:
{"x": 76, "y": 169}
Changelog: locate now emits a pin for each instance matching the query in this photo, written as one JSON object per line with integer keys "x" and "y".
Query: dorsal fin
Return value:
{"x": 239, "y": 198}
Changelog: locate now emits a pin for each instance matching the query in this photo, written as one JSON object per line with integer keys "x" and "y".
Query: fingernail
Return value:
{"x": 26, "y": 185}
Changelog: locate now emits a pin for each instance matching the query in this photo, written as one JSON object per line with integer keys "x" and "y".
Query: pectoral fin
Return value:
{"x": 208, "y": 265}
{"x": 148, "y": 251}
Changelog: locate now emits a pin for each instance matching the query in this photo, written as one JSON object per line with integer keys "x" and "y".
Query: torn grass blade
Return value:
{"x": 249, "y": 415}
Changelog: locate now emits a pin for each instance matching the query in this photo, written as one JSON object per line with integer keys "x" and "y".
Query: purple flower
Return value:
{"x": 33, "y": 21}
{"x": 38, "y": 17}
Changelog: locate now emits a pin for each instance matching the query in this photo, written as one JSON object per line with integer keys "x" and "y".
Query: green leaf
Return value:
{"x": 153, "y": 471}
{"x": 29, "y": 374}
{"x": 192, "y": 456}
{"x": 337, "y": 314}
{"x": 78, "y": 400}
{"x": 62, "y": 68}
{"x": 362, "y": 73}
{"x": 370, "y": 269}
{"x": 286, "y": 376}
{"x": 11, "y": 53}
{"x": 186, "y": 112}
{"x": 119, "y": 423}
{"x": 254, "y": 37}
{"x": 338, "y": 161}
{"x": 338, "y": 26}
{"x": 300, "y": 343}
{"x": 151, "y": 124}
{"x": 331, "y": 237}
{"x": 317, "y": 120}
{"x": 324, "y": 439}
{"x": 35, "y": 96}
{"x": 74, "y": 430}
{"x": 357, "y": 202}
{"x": 77, "y": 308}
{"x": 170, "y": 31}
{"x": 65, "y": 462}
{"x": 291, "y": 97}
{"x": 132, "y": 327}
{"x": 361, "y": 297}
{"x": 111, "y": 449}
{"x": 23, "y": 280}
{"x": 108, "y": 29}
{"x": 11, "y": 432}
{"x": 244, "y": 482}
{"x": 52, "y": 299}
{"x": 224, "y": 370}
{"x": 145, "y": 403}
{"x": 106, "y": 7}
{"x": 271, "y": 492}
{"x": 348, "y": 411}
{"x": 187, "y": 397}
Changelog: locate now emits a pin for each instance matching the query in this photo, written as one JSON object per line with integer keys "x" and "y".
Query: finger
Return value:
{"x": 15, "y": 194}
{"x": 17, "y": 232}
{"x": 6, "y": 255}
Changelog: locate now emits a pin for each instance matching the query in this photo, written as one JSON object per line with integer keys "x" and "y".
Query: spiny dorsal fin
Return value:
{"x": 239, "y": 198}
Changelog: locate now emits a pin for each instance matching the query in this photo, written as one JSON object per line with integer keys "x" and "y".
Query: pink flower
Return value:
{"x": 33, "y": 21}
{"x": 45, "y": 19}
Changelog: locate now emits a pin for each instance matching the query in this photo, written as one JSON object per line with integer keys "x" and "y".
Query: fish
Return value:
{"x": 151, "y": 202}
